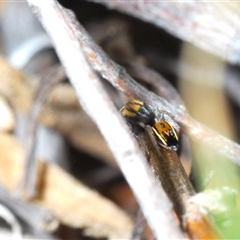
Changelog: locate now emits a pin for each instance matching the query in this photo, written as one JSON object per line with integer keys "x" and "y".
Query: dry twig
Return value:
{"x": 55, "y": 76}
{"x": 89, "y": 95}
{"x": 60, "y": 25}
{"x": 117, "y": 76}
{"x": 169, "y": 171}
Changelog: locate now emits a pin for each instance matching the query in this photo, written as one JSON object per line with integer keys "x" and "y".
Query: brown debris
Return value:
{"x": 70, "y": 201}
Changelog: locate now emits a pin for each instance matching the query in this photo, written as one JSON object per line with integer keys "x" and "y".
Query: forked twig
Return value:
{"x": 28, "y": 183}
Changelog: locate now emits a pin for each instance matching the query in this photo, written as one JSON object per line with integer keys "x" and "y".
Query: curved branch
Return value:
{"x": 118, "y": 77}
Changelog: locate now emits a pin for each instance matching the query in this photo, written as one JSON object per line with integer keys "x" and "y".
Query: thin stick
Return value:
{"x": 28, "y": 183}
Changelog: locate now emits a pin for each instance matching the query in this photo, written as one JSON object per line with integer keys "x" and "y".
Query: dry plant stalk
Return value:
{"x": 118, "y": 77}
{"x": 59, "y": 24}
{"x": 66, "y": 31}
{"x": 28, "y": 183}
{"x": 169, "y": 171}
